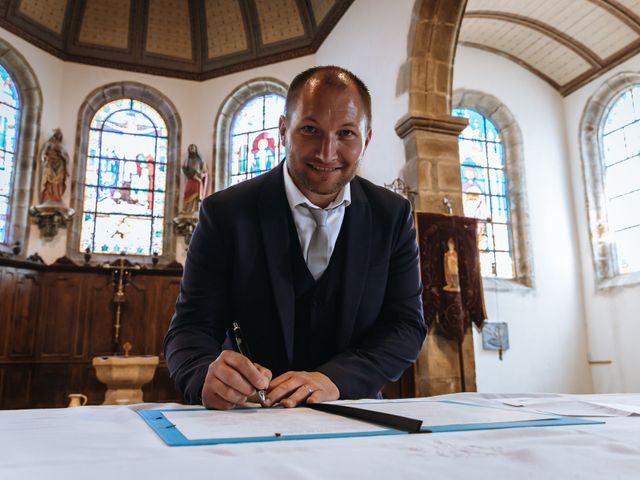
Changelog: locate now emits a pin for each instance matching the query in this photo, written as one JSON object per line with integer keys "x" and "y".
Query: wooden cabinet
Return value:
{"x": 55, "y": 318}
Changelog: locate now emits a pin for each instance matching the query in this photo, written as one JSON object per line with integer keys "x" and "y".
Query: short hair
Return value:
{"x": 328, "y": 75}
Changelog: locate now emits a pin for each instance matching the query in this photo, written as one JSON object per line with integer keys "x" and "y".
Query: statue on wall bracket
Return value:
{"x": 51, "y": 213}
{"x": 196, "y": 176}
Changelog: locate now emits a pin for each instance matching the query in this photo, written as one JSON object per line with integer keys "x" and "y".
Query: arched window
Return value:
{"x": 621, "y": 172}
{"x": 484, "y": 191}
{"x": 255, "y": 141}
{"x": 125, "y": 180}
{"x": 20, "y": 108}
{"x": 9, "y": 121}
{"x": 126, "y": 173}
{"x": 492, "y": 185}
{"x": 247, "y": 140}
{"x": 610, "y": 141}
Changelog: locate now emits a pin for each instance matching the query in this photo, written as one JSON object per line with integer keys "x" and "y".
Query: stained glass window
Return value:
{"x": 621, "y": 155}
{"x": 125, "y": 180}
{"x": 484, "y": 191}
{"x": 255, "y": 141}
{"x": 9, "y": 115}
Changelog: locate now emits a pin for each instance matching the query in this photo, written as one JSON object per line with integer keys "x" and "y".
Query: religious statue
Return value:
{"x": 195, "y": 188}
{"x": 54, "y": 170}
{"x": 451, "y": 275}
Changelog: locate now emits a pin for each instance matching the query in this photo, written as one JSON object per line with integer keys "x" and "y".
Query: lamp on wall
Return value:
{"x": 400, "y": 186}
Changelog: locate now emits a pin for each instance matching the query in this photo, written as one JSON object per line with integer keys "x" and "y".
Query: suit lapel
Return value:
{"x": 276, "y": 240}
{"x": 357, "y": 220}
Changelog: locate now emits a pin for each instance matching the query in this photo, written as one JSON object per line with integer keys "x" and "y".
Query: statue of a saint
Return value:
{"x": 195, "y": 188}
{"x": 451, "y": 275}
{"x": 54, "y": 170}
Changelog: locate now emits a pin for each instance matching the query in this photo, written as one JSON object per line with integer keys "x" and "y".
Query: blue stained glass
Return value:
{"x": 273, "y": 110}
{"x": 497, "y": 182}
{"x": 255, "y": 140}
{"x": 8, "y": 92}
{"x": 499, "y": 212}
{"x": 9, "y": 120}
{"x": 125, "y": 179}
{"x": 484, "y": 191}
{"x": 250, "y": 118}
{"x": 472, "y": 152}
{"x": 494, "y": 154}
{"x": 473, "y": 178}
{"x": 263, "y": 151}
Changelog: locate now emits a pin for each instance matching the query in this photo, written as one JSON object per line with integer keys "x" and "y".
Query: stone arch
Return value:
{"x": 224, "y": 119}
{"x": 428, "y": 129}
{"x": 165, "y": 107}
{"x": 430, "y": 135}
{"x": 26, "y": 145}
{"x": 591, "y": 124}
{"x": 500, "y": 115}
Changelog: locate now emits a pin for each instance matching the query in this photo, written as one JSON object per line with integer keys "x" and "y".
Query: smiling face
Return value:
{"x": 326, "y": 134}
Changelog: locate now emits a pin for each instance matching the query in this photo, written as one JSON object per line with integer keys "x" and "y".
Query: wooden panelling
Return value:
{"x": 21, "y": 313}
{"x": 55, "y": 319}
{"x": 59, "y": 315}
{"x": 98, "y": 305}
{"x": 16, "y": 387}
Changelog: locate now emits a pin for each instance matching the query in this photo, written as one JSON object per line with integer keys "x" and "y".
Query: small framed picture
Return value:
{"x": 495, "y": 336}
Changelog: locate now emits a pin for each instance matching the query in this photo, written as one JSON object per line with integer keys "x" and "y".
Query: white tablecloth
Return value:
{"x": 115, "y": 443}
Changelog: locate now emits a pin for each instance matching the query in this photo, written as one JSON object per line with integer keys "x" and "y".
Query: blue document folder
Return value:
{"x": 172, "y": 435}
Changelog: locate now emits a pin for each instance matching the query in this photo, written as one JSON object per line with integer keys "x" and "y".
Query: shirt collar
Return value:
{"x": 295, "y": 197}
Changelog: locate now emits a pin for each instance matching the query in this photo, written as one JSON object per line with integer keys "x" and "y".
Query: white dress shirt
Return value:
{"x": 304, "y": 221}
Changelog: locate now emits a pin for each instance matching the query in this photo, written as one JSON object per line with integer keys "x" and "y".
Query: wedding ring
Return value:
{"x": 309, "y": 389}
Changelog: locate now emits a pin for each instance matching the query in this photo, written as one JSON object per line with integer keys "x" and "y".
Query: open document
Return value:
{"x": 195, "y": 426}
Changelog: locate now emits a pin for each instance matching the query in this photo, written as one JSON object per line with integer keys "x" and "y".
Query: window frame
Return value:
{"x": 26, "y": 151}
{"x": 494, "y": 110}
{"x": 231, "y": 105}
{"x": 592, "y": 158}
{"x": 92, "y": 104}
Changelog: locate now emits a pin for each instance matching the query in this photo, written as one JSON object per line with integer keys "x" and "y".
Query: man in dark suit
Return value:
{"x": 318, "y": 266}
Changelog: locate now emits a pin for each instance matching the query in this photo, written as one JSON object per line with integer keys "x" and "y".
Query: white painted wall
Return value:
{"x": 546, "y": 327}
{"x": 371, "y": 41}
{"x": 612, "y": 316}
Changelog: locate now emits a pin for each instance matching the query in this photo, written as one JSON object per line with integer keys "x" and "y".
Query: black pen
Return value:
{"x": 243, "y": 348}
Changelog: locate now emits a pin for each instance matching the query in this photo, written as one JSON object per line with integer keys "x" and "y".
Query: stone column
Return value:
{"x": 430, "y": 137}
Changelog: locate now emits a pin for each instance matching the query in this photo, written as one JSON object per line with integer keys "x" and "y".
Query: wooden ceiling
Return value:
{"x": 567, "y": 43}
{"x": 192, "y": 39}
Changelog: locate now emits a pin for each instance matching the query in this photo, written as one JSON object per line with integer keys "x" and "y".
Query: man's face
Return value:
{"x": 326, "y": 135}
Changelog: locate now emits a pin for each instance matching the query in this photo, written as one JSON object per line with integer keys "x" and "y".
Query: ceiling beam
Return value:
{"x": 622, "y": 13}
{"x": 571, "y": 43}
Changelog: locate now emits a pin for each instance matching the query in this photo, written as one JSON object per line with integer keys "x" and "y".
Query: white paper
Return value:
{"x": 621, "y": 407}
{"x": 438, "y": 413}
{"x": 263, "y": 422}
{"x": 570, "y": 407}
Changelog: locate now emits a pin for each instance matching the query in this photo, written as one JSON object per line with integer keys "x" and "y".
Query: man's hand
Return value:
{"x": 231, "y": 379}
{"x": 294, "y": 388}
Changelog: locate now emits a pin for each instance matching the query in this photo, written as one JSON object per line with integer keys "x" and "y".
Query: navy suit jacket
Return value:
{"x": 239, "y": 269}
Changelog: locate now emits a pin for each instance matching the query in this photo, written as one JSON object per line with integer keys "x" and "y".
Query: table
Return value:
{"x": 113, "y": 442}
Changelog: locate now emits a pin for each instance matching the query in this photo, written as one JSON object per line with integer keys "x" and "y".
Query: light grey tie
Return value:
{"x": 318, "y": 254}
